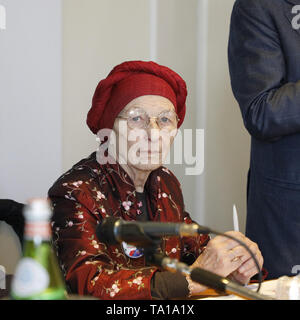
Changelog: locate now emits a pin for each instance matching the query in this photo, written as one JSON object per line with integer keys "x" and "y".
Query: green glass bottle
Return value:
{"x": 38, "y": 276}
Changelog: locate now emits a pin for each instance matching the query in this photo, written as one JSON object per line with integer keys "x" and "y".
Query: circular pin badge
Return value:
{"x": 132, "y": 251}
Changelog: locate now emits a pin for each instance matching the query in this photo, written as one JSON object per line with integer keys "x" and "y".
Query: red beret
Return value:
{"x": 128, "y": 81}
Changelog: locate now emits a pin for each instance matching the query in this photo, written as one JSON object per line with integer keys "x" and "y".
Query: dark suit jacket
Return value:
{"x": 264, "y": 62}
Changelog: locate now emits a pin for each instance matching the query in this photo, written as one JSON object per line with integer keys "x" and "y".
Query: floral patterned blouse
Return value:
{"x": 89, "y": 192}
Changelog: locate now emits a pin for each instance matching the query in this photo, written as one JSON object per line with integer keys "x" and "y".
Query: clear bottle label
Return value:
{"x": 30, "y": 278}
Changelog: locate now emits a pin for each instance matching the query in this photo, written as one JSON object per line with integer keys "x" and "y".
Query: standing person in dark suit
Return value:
{"x": 264, "y": 62}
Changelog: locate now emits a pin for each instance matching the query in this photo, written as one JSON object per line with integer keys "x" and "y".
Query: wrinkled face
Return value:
{"x": 145, "y": 130}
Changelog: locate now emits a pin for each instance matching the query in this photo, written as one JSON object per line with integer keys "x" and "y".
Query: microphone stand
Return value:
{"x": 201, "y": 276}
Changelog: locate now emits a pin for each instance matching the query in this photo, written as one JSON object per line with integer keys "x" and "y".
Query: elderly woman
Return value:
{"x": 141, "y": 103}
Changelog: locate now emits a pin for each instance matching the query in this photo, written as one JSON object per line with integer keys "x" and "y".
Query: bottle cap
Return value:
{"x": 38, "y": 209}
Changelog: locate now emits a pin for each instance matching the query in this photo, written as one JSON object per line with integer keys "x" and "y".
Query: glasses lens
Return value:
{"x": 137, "y": 118}
{"x": 167, "y": 119}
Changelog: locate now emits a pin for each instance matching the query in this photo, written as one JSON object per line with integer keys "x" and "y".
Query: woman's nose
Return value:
{"x": 153, "y": 130}
{"x": 153, "y": 123}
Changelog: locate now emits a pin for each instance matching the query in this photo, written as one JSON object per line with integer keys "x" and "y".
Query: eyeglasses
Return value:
{"x": 139, "y": 119}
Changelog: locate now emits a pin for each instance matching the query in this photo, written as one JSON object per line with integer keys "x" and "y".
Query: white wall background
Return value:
{"x": 227, "y": 150}
{"x": 42, "y": 87}
{"x": 30, "y": 107}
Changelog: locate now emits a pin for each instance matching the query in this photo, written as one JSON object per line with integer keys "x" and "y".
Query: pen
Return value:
{"x": 235, "y": 219}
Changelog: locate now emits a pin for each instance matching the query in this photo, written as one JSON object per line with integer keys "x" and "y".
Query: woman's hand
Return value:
{"x": 248, "y": 268}
{"x": 226, "y": 257}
